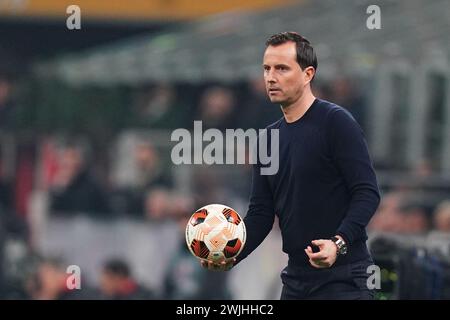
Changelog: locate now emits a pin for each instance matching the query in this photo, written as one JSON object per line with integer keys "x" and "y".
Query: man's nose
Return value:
{"x": 270, "y": 78}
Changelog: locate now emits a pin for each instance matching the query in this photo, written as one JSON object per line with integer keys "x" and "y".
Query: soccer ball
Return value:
{"x": 215, "y": 233}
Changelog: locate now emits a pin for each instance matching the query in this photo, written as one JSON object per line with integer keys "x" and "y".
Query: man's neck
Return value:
{"x": 296, "y": 110}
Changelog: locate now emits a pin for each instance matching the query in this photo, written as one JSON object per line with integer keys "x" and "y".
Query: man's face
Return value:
{"x": 283, "y": 76}
{"x": 51, "y": 278}
{"x": 109, "y": 283}
{"x": 5, "y": 89}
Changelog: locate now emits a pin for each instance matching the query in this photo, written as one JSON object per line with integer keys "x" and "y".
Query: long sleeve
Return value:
{"x": 325, "y": 185}
{"x": 260, "y": 215}
{"x": 351, "y": 156}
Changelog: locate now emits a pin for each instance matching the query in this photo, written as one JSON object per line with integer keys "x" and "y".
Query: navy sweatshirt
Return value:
{"x": 325, "y": 186}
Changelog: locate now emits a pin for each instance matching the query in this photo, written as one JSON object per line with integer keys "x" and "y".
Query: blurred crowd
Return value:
{"x": 100, "y": 173}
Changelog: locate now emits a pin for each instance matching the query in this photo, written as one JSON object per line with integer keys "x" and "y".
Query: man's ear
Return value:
{"x": 309, "y": 72}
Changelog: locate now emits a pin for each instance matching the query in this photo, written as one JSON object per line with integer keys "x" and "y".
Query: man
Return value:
{"x": 325, "y": 191}
{"x": 74, "y": 189}
{"x": 50, "y": 283}
{"x": 7, "y": 105}
{"x": 117, "y": 283}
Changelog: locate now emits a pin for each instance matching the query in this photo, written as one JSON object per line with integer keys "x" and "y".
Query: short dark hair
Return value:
{"x": 55, "y": 262}
{"x": 117, "y": 267}
{"x": 305, "y": 52}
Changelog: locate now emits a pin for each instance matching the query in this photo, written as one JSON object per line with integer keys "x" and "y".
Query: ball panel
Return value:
{"x": 216, "y": 257}
{"x": 217, "y": 242}
{"x": 200, "y": 249}
{"x": 232, "y": 248}
{"x": 198, "y": 217}
{"x": 232, "y": 216}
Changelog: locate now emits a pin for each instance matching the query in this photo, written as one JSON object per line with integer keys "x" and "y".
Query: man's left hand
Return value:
{"x": 327, "y": 255}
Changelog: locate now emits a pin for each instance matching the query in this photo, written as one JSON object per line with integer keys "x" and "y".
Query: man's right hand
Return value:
{"x": 218, "y": 266}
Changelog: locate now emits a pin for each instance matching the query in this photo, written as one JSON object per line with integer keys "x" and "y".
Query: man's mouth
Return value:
{"x": 274, "y": 90}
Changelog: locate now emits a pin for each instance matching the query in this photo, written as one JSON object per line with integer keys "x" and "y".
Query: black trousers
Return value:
{"x": 345, "y": 282}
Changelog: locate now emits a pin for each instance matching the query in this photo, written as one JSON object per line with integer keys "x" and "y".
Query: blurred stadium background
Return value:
{"x": 86, "y": 116}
